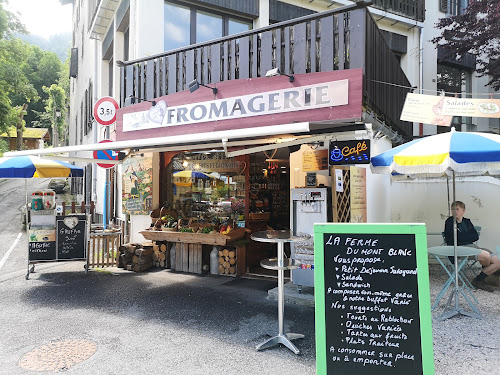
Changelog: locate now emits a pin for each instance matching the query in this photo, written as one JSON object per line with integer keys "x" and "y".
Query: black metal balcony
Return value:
{"x": 339, "y": 39}
{"x": 414, "y": 9}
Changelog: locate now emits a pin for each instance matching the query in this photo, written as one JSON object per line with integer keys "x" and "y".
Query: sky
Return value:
{"x": 43, "y": 17}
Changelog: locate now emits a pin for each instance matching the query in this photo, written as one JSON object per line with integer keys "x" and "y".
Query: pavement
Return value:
{"x": 120, "y": 322}
{"x": 114, "y": 321}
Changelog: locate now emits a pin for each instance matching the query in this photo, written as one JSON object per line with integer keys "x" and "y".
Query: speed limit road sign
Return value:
{"x": 105, "y": 110}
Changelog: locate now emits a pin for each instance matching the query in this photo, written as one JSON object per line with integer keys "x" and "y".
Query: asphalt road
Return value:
{"x": 159, "y": 322}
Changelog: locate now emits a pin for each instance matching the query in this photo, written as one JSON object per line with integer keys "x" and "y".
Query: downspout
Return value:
{"x": 421, "y": 72}
{"x": 94, "y": 128}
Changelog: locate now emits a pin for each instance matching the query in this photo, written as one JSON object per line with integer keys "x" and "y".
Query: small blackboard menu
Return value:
{"x": 373, "y": 312}
{"x": 71, "y": 237}
{"x": 41, "y": 251}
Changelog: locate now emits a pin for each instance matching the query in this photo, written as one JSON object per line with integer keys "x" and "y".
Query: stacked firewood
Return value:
{"x": 227, "y": 262}
{"x": 159, "y": 255}
{"x": 136, "y": 257}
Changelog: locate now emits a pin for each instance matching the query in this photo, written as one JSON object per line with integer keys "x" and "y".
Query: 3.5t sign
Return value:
{"x": 105, "y": 111}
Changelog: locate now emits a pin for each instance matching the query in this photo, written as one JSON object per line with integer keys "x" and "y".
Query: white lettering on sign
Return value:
{"x": 327, "y": 94}
{"x": 371, "y": 298}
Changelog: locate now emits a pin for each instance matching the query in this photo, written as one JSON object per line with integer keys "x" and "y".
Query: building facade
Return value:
{"x": 150, "y": 49}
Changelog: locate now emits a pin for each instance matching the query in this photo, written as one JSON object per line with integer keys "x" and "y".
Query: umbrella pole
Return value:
{"x": 26, "y": 206}
{"x": 455, "y": 247}
{"x": 457, "y": 291}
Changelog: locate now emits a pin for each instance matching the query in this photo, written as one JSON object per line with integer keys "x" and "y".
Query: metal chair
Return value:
{"x": 469, "y": 270}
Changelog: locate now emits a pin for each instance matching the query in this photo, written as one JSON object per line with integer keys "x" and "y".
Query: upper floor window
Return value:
{"x": 453, "y": 7}
{"x": 455, "y": 81}
{"x": 185, "y": 25}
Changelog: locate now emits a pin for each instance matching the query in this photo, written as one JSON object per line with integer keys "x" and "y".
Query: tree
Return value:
{"x": 41, "y": 68}
{"x": 9, "y": 23}
{"x": 475, "y": 31}
{"x": 11, "y": 79}
{"x": 56, "y": 104}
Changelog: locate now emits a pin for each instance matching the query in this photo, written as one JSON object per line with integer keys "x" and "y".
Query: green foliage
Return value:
{"x": 4, "y": 146}
{"x": 56, "y": 101}
{"x": 9, "y": 23}
{"x": 474, "y": 31}
{"x": 24, "y": 72}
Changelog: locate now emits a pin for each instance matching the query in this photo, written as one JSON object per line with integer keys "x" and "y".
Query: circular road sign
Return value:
{"x": 105, "y": 110}
{"x": 105, "y": 155}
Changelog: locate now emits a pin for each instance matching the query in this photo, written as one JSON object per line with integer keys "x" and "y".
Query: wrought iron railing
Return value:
{"x": 339, "y": 39}
{"x": 414, "y": 9}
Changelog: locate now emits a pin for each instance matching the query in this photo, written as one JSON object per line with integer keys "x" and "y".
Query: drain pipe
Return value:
{"x": 421, "y": 72}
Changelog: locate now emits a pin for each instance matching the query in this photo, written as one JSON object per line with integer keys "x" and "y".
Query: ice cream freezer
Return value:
{"x": 308, "y": 206}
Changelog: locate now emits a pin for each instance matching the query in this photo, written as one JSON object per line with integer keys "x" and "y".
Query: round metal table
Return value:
{"x": 280, "y": 264}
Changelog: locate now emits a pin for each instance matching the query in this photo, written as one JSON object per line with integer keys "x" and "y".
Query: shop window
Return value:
{"x": 455, "y": 81}
{"x": 245, "y": 191}
{"x": 185, "y": 25}
{"x": 206, "y": 188}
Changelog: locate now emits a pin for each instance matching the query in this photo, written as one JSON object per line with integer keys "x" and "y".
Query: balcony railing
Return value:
{"x": 414, "y": 9}
{"x": 339, "y": 39}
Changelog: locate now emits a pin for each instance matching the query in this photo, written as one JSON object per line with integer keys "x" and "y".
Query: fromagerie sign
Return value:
{"x": 326, "y": 94}
{"x": 372, "y": 302}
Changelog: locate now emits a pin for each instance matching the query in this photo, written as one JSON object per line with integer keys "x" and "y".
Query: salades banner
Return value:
{"x": 326, "y": 94}
{"x": 472, "y": 107}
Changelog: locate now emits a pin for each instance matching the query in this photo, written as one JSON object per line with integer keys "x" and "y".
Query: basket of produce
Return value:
{"x": 163, "y": 214}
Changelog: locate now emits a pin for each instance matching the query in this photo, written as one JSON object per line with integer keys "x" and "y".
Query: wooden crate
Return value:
{"x": 232, "y": 260}
{"x": 188, "y": 257}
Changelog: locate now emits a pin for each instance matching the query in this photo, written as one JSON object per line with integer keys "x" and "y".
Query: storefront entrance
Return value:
{"x": 206, "y": 192}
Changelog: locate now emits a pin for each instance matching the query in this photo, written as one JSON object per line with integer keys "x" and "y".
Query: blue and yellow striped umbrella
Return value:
{"x": 464, "y": 153}
{"x": 34, "y": 166}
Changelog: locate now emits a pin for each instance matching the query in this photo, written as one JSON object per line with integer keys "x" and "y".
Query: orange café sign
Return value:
{"x": 247, "y": 103}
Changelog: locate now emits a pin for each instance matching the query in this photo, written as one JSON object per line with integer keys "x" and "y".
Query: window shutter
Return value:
{"x": 73, "y": 66}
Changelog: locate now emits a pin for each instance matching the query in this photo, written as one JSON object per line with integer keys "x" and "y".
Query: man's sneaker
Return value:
{"x": 481, "y": 285}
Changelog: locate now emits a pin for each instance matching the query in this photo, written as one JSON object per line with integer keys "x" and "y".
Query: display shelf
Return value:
{"x": 200, "y": 238}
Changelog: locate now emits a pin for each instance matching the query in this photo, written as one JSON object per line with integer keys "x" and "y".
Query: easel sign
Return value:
{"x": 373, "y": 310}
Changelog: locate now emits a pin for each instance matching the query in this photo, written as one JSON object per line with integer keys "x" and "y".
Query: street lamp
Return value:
{"x": 55, "y": 131}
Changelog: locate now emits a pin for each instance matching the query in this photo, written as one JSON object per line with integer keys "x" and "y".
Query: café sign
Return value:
{"x": 349, "y": 152}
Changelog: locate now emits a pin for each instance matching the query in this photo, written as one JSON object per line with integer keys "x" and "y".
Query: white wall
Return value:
{"x": 378, "y": 196}
{"x": 427, "y": 202}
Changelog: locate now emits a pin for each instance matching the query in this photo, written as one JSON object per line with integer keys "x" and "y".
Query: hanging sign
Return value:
{"x": 425, "y": 109}
{"x": 349, "y": 152}
{"x": 105, "y": 111}
{"x": 472, "y": 107}
{"x": 218, "y": 165}
{"x": 372, "y": 300}
{"x": 105, "y": 155}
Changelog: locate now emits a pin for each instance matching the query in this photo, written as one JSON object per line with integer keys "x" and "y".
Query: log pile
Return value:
{"x": 159, "y": 255}
{"x": 136, "y": 257}
{"x": 227, "y": 262}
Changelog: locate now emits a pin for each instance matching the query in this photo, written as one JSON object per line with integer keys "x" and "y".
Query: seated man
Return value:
{"x": 466, "y": 235}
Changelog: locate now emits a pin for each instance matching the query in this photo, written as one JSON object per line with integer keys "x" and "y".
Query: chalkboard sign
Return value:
{"x": 43, "y": 250}
{"x": 71, "y": 237}
{"x": 373, "y": 313}
{"x": 311, "y": 179}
